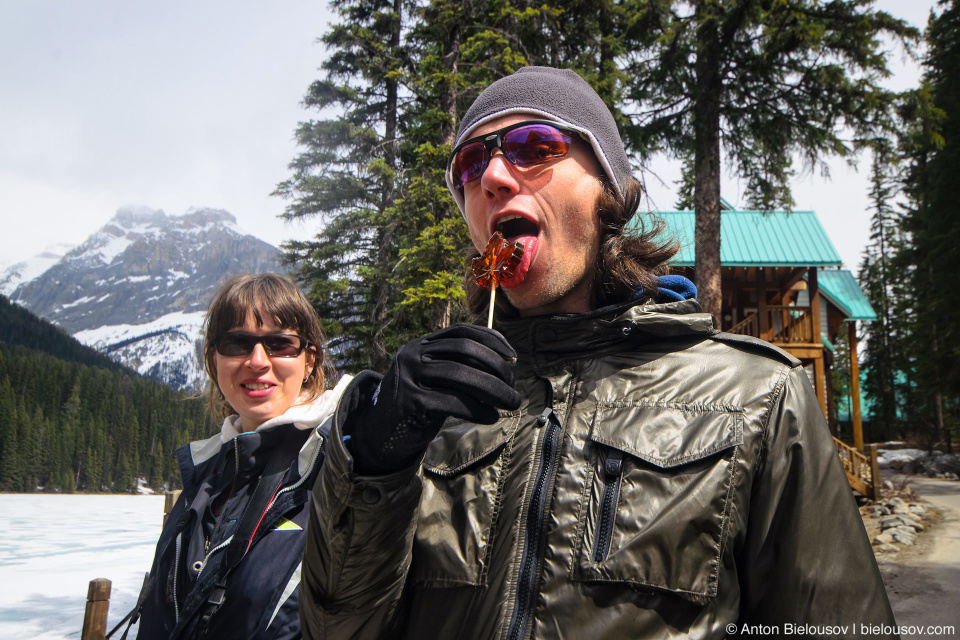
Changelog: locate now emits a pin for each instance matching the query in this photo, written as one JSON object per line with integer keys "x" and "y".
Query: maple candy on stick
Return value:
{"x": 497, "y": 263}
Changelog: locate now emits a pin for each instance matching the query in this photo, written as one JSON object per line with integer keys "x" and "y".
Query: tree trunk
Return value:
{"x": 940, "y": 433}
{"x": 707, "y": 162}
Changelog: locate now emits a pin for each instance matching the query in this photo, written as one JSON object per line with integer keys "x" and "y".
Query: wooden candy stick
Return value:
{"x": 497, "y": 263}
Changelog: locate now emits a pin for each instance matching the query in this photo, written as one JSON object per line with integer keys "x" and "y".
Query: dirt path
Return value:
{"x": 923, "y": 582}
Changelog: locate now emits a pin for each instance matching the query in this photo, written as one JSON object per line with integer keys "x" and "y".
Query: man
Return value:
{"x": 634, "y": 473}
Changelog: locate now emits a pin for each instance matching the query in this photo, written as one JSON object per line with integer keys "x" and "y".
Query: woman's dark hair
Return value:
{"x": 265, "y": 295}
{"x": 628, "y": 261}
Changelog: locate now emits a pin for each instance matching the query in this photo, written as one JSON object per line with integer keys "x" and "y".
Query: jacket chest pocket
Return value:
{"x": 655, "y": 509}
{"x": 459, "y": 509}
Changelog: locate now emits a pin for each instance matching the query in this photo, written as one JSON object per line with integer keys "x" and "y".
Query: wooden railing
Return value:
{"x": 749, "y": 326}
{"x": 863, "y": 472}
{"x": 791, "y": 324}
{"x": 785, "y": 325}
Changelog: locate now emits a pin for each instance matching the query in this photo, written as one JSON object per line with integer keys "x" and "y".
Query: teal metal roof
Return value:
{"x": 759, "y": 239}
{"x": 843, "y": 290}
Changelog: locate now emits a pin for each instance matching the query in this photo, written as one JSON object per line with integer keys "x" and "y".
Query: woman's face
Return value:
{"x": 259, "y": 386}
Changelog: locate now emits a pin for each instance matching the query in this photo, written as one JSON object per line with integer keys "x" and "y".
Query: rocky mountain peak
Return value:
{"x": 143, "y": 278}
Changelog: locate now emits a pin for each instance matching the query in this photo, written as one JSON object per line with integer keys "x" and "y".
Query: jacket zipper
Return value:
{"x": 612, "y": 470}
{"x": 306, "y": 474}
{"x": 549, "y": 455}
{"x": 309, "y": 469}
{"x": 216, "y": 525}
{"x": 176, "y": 570}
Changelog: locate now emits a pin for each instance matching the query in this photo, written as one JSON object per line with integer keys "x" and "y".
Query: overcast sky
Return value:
{"x": 179, "y": 104}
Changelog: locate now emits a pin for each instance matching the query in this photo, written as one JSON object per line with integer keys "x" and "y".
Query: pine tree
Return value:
{"x": 10, "y": 472}
{"x": 412, "y": 238}
{"x": 883, "y": 366}
{"x": 758, "y": 82}
{"x": 930, "y": 145}
{"x": 346, "y": 176}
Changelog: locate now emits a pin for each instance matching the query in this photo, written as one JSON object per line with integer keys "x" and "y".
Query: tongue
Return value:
{"x": 530, "y": 244}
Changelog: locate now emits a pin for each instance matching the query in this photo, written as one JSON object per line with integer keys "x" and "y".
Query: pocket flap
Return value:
{"x": 460, "y": 444}
{"x": 667, "y": 434}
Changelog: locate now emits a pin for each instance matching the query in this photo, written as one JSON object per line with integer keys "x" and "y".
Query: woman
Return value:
{"x": 228, "y": 561}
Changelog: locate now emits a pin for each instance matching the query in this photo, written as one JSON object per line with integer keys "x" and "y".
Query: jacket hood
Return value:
{"x": 302, "y": 416}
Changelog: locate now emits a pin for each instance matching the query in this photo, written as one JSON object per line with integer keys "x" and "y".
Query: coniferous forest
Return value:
{"x": 73, "y": 420}
{"x": 909, "y": 270}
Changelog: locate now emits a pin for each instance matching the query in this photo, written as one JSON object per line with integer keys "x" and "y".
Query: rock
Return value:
{"x": 883, "y": 538}
{"x": 888, "y": 548}
{"x": 903, "y": 535}
{"x": 888, "y": 485}
{"x": 892, "y": 522}
{"x": 939, "y": 464}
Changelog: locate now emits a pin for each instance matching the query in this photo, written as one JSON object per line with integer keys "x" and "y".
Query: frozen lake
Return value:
{"x": 52, "y": 546}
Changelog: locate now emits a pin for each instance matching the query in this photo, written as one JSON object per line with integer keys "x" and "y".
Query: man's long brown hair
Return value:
{"x": 627, "y": 263}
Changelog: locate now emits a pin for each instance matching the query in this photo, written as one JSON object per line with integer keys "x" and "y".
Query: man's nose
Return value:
{"x": 499, "y": 176}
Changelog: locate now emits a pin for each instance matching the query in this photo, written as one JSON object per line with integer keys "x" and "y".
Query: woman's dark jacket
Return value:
{"x": 660, "y": 480}
{"x": 260, "y": 594}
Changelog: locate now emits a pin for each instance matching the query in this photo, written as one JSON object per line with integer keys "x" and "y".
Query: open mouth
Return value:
{"x": 256, "y": 386}
{"x": 516, "y": 227}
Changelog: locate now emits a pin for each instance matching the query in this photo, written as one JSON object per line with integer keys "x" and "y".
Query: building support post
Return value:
{"x": 818, "y": 369}
{"x": 855, "y": 387}
{"x": 762, "y": 314}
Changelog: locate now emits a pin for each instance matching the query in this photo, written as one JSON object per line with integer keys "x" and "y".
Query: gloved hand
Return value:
{"x": 461, "y": 371}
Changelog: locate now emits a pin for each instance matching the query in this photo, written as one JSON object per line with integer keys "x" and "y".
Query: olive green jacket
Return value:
{"x": 660, "y": 480}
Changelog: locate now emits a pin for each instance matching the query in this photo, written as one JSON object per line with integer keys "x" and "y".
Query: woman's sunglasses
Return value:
{"x": 236, "y": 343}
{"x": 523, "y": 144}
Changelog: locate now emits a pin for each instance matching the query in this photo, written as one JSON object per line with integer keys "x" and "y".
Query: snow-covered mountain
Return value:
{"x": 137, "y": 288}
{"x": 13, "y": 276}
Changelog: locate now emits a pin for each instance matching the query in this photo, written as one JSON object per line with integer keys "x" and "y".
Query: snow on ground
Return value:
{"x": 52, "y": 546}
{"x": 898, "y": 457}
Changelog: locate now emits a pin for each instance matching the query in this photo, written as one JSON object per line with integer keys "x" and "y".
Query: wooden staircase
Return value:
{"x": 863, "y": 472}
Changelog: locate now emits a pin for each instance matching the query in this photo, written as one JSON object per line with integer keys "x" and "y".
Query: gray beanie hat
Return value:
{"x": 558, "y": 95}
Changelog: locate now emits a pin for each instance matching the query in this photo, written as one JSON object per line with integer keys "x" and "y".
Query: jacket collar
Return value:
{"x": 195, "y": 456}
{"x": 545, "y": 341}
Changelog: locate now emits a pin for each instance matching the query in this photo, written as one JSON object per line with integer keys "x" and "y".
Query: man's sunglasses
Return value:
{"x": 523, "y": 144}
{"x": 237, "y": 343}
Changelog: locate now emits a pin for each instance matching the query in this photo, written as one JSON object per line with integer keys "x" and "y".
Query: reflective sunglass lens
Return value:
{"x": 524, "y": 145}
{"x": 469, "y": 163}
{"x": 534, "y": 143}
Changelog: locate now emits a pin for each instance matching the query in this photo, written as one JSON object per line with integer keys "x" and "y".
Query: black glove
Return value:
{"x": 461, "y": 371}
